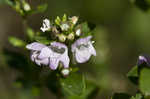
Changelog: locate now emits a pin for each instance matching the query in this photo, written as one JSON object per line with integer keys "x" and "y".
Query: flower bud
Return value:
{"x": 54, "y": 29}
{"x": 78, "y": 32}
{"x": 26, "y": 7}
{"x": 62, "y": 37}
{"x": 17, "y": 6}
{"x": 65, "y": 72}
{"x": 58, "y": 20}
{"x": 46, "y": 25}
{"x": 70, "y": 36}
{"x": 64, "y": 27}
{"x": 74, "y": 19}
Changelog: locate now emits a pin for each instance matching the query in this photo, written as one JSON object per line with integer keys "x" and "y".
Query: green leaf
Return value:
{"x": 121, "y": 96}
{"x": 16, "y": 42}
{"x": 85, "y": 29}
{"x": 30, "y": 33}
{"x": 57, "y": 20}
{"x": 133, "y": 75}
{"x": 90, "y": 92}
{"x": 73, "y": 85}
{"x": 144, "y": 81}
{"x": 42, "y": 8}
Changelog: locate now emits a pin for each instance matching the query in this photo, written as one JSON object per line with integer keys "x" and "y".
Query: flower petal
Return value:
{"x": 45, "y": 53}
{"x": 61, "y": 57}
{"x": 42, "y": 62}
{"x": 80, "y": 42}
{"x": 82, "y": 56}
{"x": 83, "y": 49}
{"x": 35, "y": 46}
{"x": 83, "y": 40}
{"x": 92, "y": 49}
{"x": 65, "y": 60}
{"x": 53, "y": 63}
{"x": 34, "y": 54}
{"x": 38, "y": 62}
{"x": 57, "y": 44}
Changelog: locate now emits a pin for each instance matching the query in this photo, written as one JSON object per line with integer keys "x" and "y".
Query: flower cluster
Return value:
{"x": 65, "y": 30}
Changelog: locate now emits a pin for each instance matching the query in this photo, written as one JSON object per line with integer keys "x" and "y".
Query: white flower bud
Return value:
{"x": 78, "y": 32}
{"x": 70, "y": 36}
{"x": 93, "y": 42}
{"x": 26, "y": 7}
{"x": 46, "y": 25}
{"x": 54, "y": 29}
{"x": 74, "y": 19}
{"x": 65, "y": 72}
{"x": 64, "y": 27}
{"x": 62, "y": 37}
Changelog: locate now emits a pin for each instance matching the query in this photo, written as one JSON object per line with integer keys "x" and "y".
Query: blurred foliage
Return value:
{"x": 23, "y": 7}
{"x": 16, "y": 42}
{"x": 139, "y": 75}
{"x": 121, "y": 96}
{"x": 138, "y": 96}
{"x": 143, "y": 4}
{"x": 121, "y": 31}
{"x": 30, "y": 33}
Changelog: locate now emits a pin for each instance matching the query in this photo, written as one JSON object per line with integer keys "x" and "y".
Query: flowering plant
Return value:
{"x": 67, "y": 35}
{"x": 50, "y": 57}
{"x": 53, "y": 52}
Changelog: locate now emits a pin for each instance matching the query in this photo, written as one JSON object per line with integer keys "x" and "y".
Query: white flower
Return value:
{"x": 46, "y": 25}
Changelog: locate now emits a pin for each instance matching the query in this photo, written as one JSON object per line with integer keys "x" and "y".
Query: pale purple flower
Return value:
{"x": 35, "y": 51}
{"x": 49, "y": 55}
{"x": 83, "y": 49}
{"x": 144, "y": 59}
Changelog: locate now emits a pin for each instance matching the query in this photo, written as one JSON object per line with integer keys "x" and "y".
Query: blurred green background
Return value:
{"x": 121, "y": 34}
